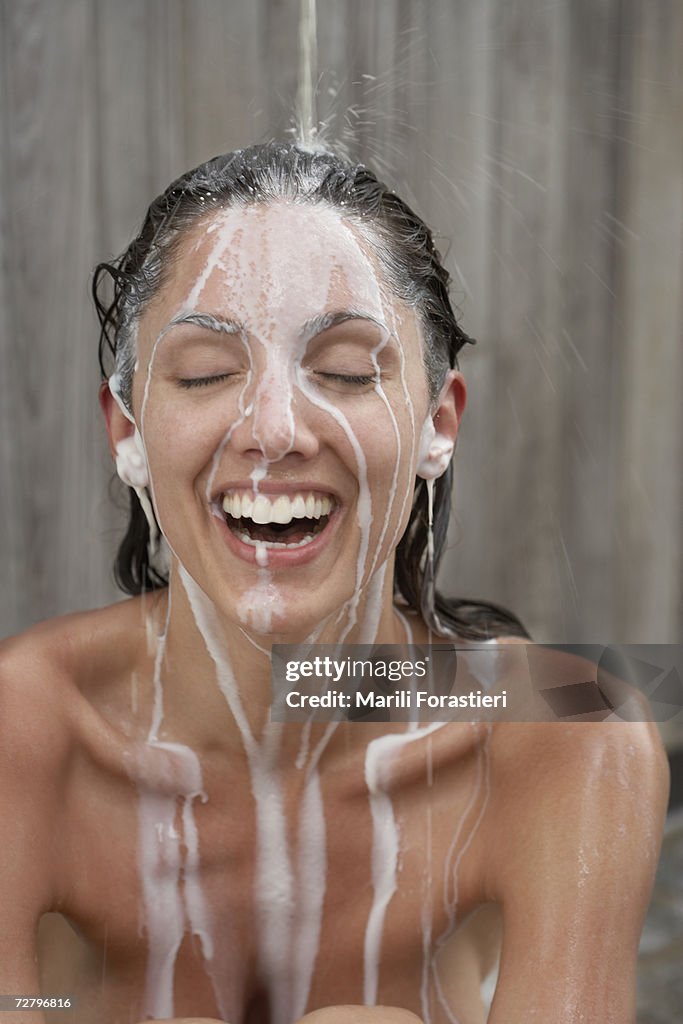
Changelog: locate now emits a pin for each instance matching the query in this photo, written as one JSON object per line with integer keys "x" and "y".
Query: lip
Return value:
{"x": 278, "y": 558}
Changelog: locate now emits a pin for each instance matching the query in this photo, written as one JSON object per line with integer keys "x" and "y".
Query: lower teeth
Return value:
{"x": 273, "y": 543}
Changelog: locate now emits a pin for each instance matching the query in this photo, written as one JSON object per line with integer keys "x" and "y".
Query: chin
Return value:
{"x": 274, "y": 620}
{"x": 275, "y": 610}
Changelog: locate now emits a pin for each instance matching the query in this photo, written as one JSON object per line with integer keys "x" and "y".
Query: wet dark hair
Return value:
{"x": 406, "y": 251}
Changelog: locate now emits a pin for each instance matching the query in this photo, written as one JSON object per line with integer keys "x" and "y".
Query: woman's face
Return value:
{"x": 280, "y": 392}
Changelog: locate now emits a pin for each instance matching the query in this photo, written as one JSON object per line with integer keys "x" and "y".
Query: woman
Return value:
{"x": 284, "y": 405}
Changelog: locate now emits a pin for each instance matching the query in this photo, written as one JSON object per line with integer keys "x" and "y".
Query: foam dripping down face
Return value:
{"x": 280, "y": 393}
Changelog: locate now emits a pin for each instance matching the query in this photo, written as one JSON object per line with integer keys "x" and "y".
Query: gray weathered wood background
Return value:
{"x": 542, "y": 140}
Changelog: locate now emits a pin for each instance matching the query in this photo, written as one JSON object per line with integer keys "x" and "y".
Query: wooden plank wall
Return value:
{"x": 542, "y": 141}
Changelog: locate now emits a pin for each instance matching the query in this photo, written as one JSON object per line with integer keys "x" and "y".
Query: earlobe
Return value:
{"x": 131, "y": 464}
{"x": 128, "y": 451}
{"x": 436, "y": 451}
{"x": 125, "y": 441}
{"x": 437, "y": 444}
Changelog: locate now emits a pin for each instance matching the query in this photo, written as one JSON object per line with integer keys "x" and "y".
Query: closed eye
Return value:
{"x": 202, "y": 382}
{"x": 349, "y": 378}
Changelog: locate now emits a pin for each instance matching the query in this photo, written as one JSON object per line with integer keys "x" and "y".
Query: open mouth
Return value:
{"x": 277, "y": 521}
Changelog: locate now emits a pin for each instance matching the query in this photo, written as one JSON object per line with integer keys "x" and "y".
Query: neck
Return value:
{"x": 212, "y": 678}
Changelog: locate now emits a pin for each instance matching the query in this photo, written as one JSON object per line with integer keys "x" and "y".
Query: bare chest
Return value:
{"x": 270, "y": 892}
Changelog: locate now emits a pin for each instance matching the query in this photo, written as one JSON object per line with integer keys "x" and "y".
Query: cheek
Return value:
{"x": 396, "y": 450}
{"x": 181, "y": 440}
{"x": 391, "y": 452}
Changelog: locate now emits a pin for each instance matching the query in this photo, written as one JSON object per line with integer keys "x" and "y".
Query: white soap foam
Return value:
{"x": 277, "y": 892}
{"x": 435, "y": 452}
{"x": 379, "y": 755}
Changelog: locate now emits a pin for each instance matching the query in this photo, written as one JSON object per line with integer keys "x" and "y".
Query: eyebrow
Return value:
{"x": 212, "y": 321}
{"x": 312, "y": 327}
{"x": 325, "y": 321}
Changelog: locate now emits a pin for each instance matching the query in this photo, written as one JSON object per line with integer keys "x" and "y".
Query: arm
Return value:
{"x": 578, "y": 813}
{"x": 29, "y": 761}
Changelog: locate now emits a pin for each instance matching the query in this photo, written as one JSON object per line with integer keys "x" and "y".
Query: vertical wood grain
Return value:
{"x": 647, "y": 235}
{"x": 49, "y": 408}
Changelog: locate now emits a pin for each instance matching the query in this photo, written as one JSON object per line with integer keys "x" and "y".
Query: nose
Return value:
{"x": 275, "y": 424}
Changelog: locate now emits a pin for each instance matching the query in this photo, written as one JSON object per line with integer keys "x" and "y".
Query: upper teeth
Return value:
{"x": 281, "y": 509}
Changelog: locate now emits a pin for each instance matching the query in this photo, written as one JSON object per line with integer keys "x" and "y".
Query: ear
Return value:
{"x": 440, "y": 429}
{"x": 117, "y": 423}
{"x": 125, "y": 442}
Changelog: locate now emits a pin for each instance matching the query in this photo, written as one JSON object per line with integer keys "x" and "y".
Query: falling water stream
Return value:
{"x": 308, "y": 64}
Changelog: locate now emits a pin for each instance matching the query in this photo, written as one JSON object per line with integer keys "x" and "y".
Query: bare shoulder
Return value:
{"x": 50, "y": 673}
{"x": 551, "y": 760}
{"x": 34, "y": 680}
{"x": 568, "y": 848}
{"x": 76, "y": 644}
{"x": 49, "y": 727}
{"x": 575, "y": 803}
{"x": 35, "y": 746}
{"x": 553, "y": 764}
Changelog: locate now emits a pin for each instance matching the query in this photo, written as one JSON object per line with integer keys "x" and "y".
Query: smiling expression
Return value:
{"x": 280, "y": 391}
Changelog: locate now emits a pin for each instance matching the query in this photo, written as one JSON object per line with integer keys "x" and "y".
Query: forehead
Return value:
{"x": 275, "y": 266}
